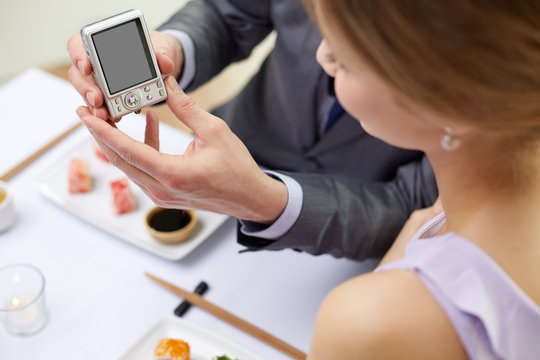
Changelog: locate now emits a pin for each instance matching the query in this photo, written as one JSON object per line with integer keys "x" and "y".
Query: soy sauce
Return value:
{"x": 167, "y": 220}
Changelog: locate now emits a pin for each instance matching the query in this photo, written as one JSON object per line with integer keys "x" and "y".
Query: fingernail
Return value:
{"x": 90, "y": 98}
{"x": 80, "y": 66}
{"x": 94, "y": 111}
{"x": 172, "y": 84}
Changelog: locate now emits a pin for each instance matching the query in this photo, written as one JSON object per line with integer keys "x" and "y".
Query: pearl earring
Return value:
{"x": 449, "y": 142}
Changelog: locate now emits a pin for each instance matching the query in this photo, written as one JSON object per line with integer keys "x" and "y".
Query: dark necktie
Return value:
{"x": 336, "y": 111}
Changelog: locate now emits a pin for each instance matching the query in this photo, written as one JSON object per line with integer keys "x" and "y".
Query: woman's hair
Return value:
{"x": 476, "y": 61}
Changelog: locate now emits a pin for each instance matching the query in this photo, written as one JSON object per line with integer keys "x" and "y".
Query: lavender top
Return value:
{"x": 492, "y": 316}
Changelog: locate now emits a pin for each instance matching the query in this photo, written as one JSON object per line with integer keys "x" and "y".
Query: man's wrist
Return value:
{"x": 286, "y": 219}
{"x": 271, "y": 200}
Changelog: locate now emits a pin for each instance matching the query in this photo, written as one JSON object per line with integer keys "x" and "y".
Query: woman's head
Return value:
{"x": 472, "y": 62}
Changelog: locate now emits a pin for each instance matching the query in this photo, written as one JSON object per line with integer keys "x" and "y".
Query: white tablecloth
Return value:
{"x": 100, "y": 302}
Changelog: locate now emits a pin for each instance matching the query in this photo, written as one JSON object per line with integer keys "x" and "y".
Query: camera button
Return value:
{"x": 132, "y": 100}
{"x": 119, "y": 109}
{"x": 146, "y": 89}
{"x": 149, "y": 97}
{"x": 159, "y": 84}
{"x": 161, "y": 93}
{"x": 117, "y": 101}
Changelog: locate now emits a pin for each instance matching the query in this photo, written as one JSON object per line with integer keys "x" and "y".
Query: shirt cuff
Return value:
{"x": 188, "y": 73}
{"x": 286, "y": 220}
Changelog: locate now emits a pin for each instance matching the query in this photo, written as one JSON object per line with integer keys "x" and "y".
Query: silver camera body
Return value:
{"x": 124, "y": 63}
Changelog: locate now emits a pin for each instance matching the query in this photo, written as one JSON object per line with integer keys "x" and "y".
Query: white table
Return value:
{"x": 100, "y": 302}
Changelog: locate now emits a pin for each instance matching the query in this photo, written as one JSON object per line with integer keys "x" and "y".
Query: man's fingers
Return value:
{"x": 133, "y": 152}
{"x": 166, "y": 65}
{"x": 151, "y": 134}
{"x": 169, "y": 54}
{"x": 186, "y": 110}
{"x": 143, "y": 180}
{"x": 78, "y": 55}
{"x": 85, "y": 86}
{"x": 81, "y": 77}
{"x": 164, "y": 55}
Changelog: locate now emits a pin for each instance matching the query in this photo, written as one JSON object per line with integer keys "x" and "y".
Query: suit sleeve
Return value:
{"x": 223, "y": 31}
{"x": 356, "y": 221}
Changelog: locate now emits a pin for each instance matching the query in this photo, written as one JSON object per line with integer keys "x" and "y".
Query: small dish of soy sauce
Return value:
{"x": 170, "y": 226}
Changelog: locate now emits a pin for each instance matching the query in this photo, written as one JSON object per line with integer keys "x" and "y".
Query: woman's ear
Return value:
{"x": 326, "y": 58}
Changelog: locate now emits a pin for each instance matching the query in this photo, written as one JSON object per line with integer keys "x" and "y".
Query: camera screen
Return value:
{"x": 124, "y": 56}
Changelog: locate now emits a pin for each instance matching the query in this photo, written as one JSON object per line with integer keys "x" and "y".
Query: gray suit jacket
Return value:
{"x": 358, "y": 191}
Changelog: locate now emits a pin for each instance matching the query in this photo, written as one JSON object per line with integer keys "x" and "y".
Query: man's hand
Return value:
{"x": 215, "y": 173}
{"x": 169, "y": 56}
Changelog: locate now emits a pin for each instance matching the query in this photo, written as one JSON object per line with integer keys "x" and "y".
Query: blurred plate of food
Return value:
{"x": 203, "y": 344}
{"x": 113, "y": 202}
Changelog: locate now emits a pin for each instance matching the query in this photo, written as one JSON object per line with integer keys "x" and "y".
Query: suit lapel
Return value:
{"x": 345, "y": 130}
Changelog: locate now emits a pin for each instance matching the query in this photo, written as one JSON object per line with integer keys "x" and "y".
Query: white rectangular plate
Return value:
{"x": 96, "y": 207}
{"x": 203, "y": 344}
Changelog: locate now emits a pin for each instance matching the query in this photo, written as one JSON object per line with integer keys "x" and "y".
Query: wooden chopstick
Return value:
{"x": 17, "y": 168}
{"x": 232, "y": 319}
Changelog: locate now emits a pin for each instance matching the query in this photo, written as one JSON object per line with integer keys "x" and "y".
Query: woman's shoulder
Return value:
{"x": 384, "y": 315}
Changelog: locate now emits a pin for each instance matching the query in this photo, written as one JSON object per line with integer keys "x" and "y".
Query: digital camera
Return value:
{"x": 124, "y": 63}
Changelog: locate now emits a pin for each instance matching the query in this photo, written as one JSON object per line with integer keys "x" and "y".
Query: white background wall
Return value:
{"x": 35, "y": 32}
